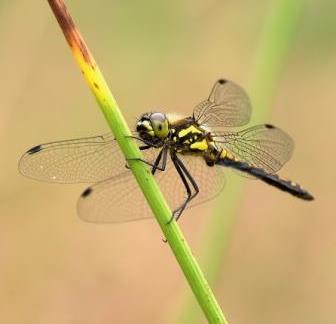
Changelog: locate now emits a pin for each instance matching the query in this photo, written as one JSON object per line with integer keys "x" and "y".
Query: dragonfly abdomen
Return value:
{"x": 271, "y": 179}
{"x": 224, "y": 154}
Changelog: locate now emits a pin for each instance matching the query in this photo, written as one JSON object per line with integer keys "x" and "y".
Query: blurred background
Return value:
{"x": 277, "y": 262}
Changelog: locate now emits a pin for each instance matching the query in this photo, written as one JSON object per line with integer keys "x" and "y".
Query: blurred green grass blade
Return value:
{"x": 270, "y": 58}
{"x": 269, "y": 62}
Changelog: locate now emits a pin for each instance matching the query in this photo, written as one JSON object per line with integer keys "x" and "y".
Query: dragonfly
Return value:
{"x": 187, "y": 155}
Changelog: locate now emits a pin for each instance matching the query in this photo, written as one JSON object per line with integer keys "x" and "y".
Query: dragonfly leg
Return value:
{"x": 156, "y": 165}
{"x": 162, "y": 156}
{"x": 178, "y": 211}
{"x": 184, "y": 175}
{"x": 141, "y": 148}
{"x": 192, "y": 181}
{"x": 144, "y": 147}
{"x": 150, "y": 144}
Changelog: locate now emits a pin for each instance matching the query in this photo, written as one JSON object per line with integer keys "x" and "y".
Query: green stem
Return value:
{"x": 275, "y": 42}
{"x": 146, "y": 181}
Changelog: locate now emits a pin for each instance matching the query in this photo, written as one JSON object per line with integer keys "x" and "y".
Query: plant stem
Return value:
{"x": 146, "y": 181}
{"x": 275, "y": 42}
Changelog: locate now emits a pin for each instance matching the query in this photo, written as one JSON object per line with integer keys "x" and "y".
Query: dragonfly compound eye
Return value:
{"x": 160, "y": 124}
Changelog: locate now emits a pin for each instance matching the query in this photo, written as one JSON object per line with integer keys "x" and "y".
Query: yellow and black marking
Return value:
{"x": 191, "y": 139}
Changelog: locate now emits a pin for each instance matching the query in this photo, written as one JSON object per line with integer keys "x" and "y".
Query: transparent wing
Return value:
{"x": 119, "y": 198}
{"x": 89, "y": 159}
{"x": 263, "y": 146}
{"x": 211, "y": 181}
{"x": 228, "y": 105}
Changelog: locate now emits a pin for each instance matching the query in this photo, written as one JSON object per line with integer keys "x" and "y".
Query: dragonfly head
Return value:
{"x": 153, "y": 127}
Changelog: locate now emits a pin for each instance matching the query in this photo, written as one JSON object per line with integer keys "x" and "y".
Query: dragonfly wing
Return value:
{"x": 114, "y": 200}
{"x": 119, "y": 199}
{"x": 87, "y": 159}
{"x": 263, "y": 146}
{"x": 90, "y": 159}
{"x": 227, "y": 106}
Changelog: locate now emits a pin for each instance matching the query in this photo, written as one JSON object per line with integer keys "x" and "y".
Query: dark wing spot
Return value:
{"x": 269, "y": 126}
{"x": 222, "y": 81}
{"x": 86, "y": 192}
{"x": 96, "y": 85}
{"x": 35, "y": 149}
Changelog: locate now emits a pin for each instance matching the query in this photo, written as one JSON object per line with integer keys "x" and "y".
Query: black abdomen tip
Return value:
{"x": 307, "y": 196}
{"x": 269, "y": 126}
{"x": 35, "y": 149}
{"x": 86, "y": 192}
